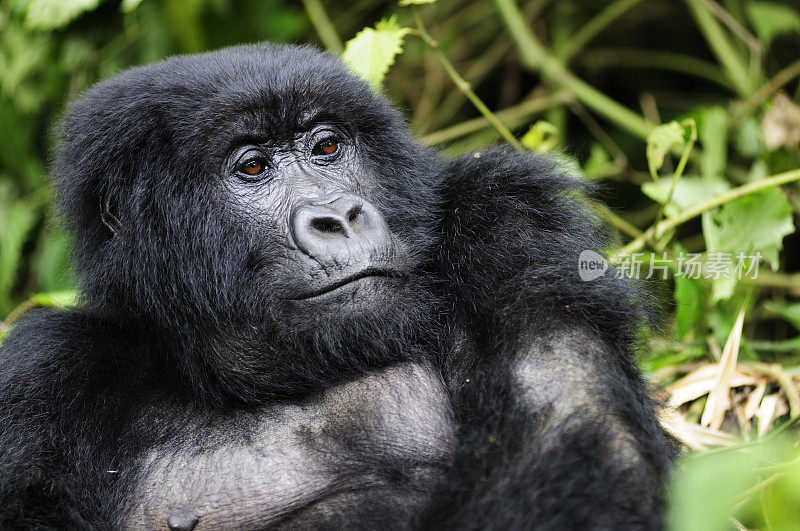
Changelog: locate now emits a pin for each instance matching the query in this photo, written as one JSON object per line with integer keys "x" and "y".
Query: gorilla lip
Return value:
{"x": 371, "y": 272}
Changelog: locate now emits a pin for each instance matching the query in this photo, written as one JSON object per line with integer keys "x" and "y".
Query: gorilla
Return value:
{"x": 294, "y": 316}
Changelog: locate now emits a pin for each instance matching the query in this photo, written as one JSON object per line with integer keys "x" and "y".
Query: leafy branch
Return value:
{"x": 694, "y": 211}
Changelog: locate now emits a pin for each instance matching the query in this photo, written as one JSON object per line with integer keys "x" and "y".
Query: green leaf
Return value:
{"x": 750, "y": 225}
{"x": 415, "y": 2}
{"x": 660, "y": 141}
{"x": 754, "y": 223}
{"x": 770, "y": 19}
{"x": 372, "y": 51}
{"x": 541, "y": 137}
{"x": 52, "y": 14}
{"x": 689, "y": 191}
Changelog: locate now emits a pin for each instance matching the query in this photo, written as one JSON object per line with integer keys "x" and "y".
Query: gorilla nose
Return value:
{"x": 342, "y": 230}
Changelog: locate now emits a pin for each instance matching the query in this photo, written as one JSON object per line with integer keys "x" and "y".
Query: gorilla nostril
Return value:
{"x": 354, "y": 214}
{"x": 328, "y": 226}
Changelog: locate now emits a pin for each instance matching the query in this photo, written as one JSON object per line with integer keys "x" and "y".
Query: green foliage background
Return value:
{"x": 687, "y": 110}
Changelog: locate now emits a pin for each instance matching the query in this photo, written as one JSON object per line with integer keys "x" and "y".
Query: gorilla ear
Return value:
{"x": 107, "y": 216}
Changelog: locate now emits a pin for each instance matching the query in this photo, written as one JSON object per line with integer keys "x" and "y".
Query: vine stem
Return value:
{"x": 590, "y": 30}
{"x": 690, "y": 213}
{"x": 679, "y": 170}
{"x": 768, "y": 279}
{"x": 323, "y": 25}
{"x": 621, "y": 57}
{"x": 534, "y": 56}
{"x": 513, "y": 116}
{"x": 464, "y": 86}
{"x": 722, "y": 47}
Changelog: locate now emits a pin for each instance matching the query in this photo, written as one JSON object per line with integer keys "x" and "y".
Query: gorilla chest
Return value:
{"x": 367, "y": 453}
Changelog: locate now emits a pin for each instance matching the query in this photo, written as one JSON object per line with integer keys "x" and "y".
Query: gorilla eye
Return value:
{"x": 252, "y": 166}
{"x": 327, "y": 146}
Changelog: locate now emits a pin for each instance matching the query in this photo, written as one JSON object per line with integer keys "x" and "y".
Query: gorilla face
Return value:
{"x": 315, "y": 183}
{"x": 311, "y": 215}
{"x": 309, "y": 193}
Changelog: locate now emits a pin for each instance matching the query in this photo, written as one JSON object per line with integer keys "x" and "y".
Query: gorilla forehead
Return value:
{"x": 265, "y": 89}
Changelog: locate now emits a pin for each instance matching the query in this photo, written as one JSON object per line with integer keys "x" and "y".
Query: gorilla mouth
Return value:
{"x": 366, "y": 273}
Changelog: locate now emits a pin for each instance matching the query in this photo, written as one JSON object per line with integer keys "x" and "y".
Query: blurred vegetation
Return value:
{"x": 687, "y": 111}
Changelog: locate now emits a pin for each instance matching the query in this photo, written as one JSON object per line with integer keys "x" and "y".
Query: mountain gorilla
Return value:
{"x": 295, "y": 316}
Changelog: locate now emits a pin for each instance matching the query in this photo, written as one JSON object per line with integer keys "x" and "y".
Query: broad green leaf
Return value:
{"x": 751, "y": 224}
{"x": 372, "y": 51}
{"x": 689, "y": 191}
{"x": 542, "y": 137}
{"x": 770, "y": 19}
{"x": 52, "y": 14}
{"x": 660, "y": 141}
{"x": 415, "y": 2}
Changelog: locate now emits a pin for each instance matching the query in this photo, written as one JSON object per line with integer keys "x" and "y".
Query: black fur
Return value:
{"x": 184, "y": 305}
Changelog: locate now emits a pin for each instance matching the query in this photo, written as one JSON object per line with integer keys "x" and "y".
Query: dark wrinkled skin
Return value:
{"x": 295, "y": 316}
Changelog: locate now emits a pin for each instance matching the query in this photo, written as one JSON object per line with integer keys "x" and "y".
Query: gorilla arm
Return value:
{"x": 557, "y": 428}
